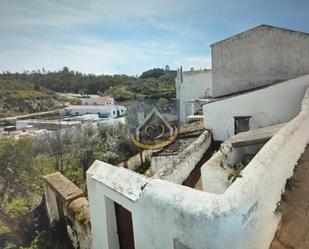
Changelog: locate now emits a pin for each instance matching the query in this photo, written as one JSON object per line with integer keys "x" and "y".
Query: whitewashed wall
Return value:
{"x": 195, "y": 84}
{"x": 216, "y": 170}
{"x": 163, "y": 212}
{"x": 160, "y": 161}
{"x": 258, "y": 57}
{"x": 271, "y": 105}
{"x": 179, "y": 169}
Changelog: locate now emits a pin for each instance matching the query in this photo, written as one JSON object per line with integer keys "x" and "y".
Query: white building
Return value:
{"x": 261, "y": 56}
{"x": 129, "y": 210}
{"x": 109, "y": 111}
{"x": 105, "y": 101}
{"x": 189, "y": 86}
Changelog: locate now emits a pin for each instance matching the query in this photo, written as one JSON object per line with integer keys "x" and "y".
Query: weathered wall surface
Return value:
{"x": 135, "y": 161}
{"x": 271, "y": 105}
{"x": 193, "y": 84}
{"x": 160, "y": 161}
{"x": 216, "y": 170}
{"x": 241, "y": 218}
{"x": 179, "y": 169}
{"x": 66, "y": 201}
{"x": 258, "y": 57}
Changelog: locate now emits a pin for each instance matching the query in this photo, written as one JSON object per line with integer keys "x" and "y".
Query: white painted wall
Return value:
{"x": 160, "y": 161}
{"x": 258, "y": 57}
{"x": 240, "y": 218}
{"x": 179, "y": 169}
{"x": 98, "y": 101}
{"x": 271, "y": 105}
{"x": 192, "y": 85}
{"x": 216, "y": 170}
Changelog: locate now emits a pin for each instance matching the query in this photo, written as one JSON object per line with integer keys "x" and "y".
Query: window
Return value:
{"x": 241, "y": 124}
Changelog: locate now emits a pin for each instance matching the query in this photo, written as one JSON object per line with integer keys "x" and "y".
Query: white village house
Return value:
{"x": 104, "y": 111}
{"x": 98, "y": 101}
{"x": 261, "y": 56}
{"x": 256, "y": 100}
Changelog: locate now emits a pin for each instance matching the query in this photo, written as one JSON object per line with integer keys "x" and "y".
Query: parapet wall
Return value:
{"x": 180, "y": 167}
{"x": 66, "y": 202}
{"x": 167, "y": 215}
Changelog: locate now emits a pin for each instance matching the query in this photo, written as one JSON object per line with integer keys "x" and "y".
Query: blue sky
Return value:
{"x": 130, "y": 36}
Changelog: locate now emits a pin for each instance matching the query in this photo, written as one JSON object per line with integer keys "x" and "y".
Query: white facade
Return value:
{"x": 275, "y": 104}
{"x": 113, "y": 111}
{"x": 261, "y": 56}
{"x": 105, "y": 101}
{"x": 170, "y": 216}
{"x": 192, "y": 85}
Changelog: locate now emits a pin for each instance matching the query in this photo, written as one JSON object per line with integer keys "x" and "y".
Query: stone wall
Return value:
{"x": 65, "y": 202}
{"x": 260, "y": 56}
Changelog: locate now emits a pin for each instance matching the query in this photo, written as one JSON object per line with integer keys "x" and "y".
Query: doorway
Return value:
{"x": 124, "y": 227}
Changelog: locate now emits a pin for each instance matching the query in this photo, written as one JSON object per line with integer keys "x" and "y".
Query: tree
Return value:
{"x": 16, "y": 161}
{"x": 83, "y": 147}
{"x": 57, "y": 143}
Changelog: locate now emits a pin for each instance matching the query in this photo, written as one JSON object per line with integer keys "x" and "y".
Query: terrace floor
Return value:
{"x": 293, "y": 231}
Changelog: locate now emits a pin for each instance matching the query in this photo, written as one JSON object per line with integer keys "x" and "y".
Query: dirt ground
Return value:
{"x": 293, "y": 232}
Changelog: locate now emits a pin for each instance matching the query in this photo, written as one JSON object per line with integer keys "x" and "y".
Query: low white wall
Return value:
{"x": 135, "y": 161}
{"x": 179, "y": 169}
{"x": 163, "y": 212}
{"x": 216, "y": 170}
{"x": 271, "y": 105}
{"x": 160, "y": 161}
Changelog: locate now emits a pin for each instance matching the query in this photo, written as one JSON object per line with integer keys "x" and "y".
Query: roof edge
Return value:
{"x": 258, "y": 27}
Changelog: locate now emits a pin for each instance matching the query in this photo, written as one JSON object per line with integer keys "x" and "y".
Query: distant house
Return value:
{"x": 107, "y": 111}
{"x": 105, "y": 101}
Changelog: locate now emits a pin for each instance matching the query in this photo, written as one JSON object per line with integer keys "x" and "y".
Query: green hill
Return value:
{"x": 150, "y": 87}
{"x": 20, "y": 97}
{"x": 154, "y": 83}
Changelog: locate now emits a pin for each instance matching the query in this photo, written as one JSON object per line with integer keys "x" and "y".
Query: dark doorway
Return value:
{"x": 124, "y": 227}
{"x": 241, "y": 124}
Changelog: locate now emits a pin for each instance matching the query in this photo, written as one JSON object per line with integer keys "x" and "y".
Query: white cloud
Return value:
{"x": 51, "y": 34}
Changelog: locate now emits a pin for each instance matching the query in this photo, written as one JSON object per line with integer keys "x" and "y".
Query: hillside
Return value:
{"x": 154, "y": 83}
{"x": 20, "y": 97}
{"x": 162, "y": 86}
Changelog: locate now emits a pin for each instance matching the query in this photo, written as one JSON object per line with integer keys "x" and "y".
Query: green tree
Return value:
{"x": 16, "y": 161}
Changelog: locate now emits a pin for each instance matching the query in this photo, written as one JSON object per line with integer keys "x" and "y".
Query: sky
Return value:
{"x": 130, "y": 36}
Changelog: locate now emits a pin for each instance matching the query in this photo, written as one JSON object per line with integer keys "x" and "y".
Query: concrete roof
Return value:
{"x": 256, "y": 136}
{"x": 262, "y": 26}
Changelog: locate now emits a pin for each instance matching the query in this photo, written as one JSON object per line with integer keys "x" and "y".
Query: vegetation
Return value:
{"x": 154, "y": 83}
{"x": 237, "y": 168}
{"x": 23, "y": 162}
{"x": 20, "y": 97}
{"x": 16, "y": 191}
